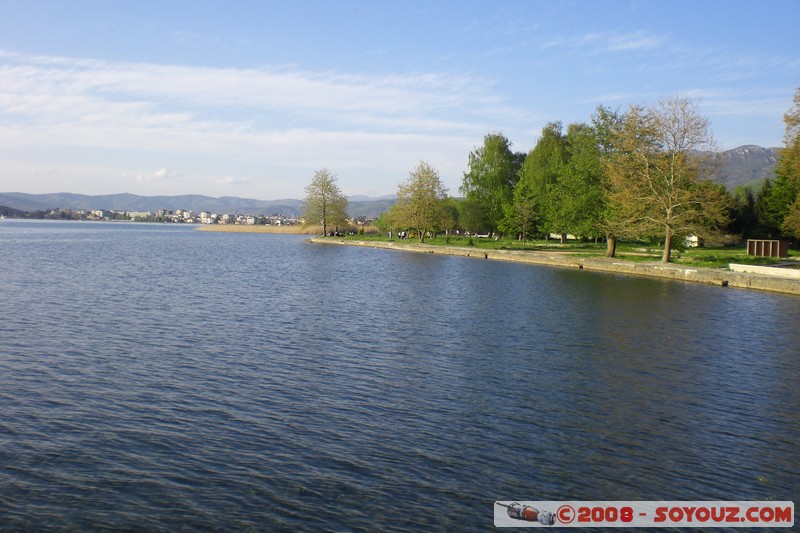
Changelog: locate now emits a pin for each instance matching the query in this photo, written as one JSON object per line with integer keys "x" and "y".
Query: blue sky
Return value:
{"x": 241, "y": 98}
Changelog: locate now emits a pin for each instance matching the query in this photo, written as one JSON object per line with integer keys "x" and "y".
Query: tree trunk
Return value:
{"x": 611, "y": 245}
{"x": 667, "y": 244}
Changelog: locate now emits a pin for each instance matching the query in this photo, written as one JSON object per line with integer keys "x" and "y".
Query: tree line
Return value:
{"x": 640, "y": 174}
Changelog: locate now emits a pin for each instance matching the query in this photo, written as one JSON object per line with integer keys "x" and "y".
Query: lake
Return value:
{"x": 158, "y": 377}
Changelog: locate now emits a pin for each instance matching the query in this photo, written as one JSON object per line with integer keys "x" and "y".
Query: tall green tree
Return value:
{"x": 577, "y": 197}
{"x": 760, "y": 211}
{"x": 540, "y": 170}
{"x": 783, "y": 200}
{"x": 386, "y": 223}
{"x": 474, "y": 216}
{"x": 655, "y": 173}
{"x": 607, "y": 124}
{"x": 420, "y": 202}
{"x": 782, "y": 194}
{"x": 324, "y": 203}
{"x": 523, "y": 215}
{"x": 791, "y": 224}
{"x": 489, "y": 182}
{"x": 744, "y": 221}
{"x": 454, "y": 208}
{"x": 748, "y": 212}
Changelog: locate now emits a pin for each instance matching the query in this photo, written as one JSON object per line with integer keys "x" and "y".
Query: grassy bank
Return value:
{"x": 708, "y": 257}
{"x": 592, "y": 260}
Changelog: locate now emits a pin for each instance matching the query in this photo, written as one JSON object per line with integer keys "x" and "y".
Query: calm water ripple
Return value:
{"x": 160, "y": 378}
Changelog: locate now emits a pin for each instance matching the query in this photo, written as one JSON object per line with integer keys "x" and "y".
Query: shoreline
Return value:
{"x": 281, "y": 230}
{"x": 708, "y": 276}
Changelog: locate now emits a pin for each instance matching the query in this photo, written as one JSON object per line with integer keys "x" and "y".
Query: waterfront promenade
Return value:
{"x": 712, "y": 276}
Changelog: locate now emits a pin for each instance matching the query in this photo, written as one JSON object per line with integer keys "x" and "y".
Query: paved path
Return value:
{"x": 713, "y": 276}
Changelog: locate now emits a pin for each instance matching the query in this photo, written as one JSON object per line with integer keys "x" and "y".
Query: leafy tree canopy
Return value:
{"x": 492, "y": 175}
{"x": 324, "y": 203}
{"x": 420, "y": 202}
{"x": 783, "y": 201}
{"x": 655, "y": 173}
{"x": 539, "y": 171}
{"x": 576, "y": 196}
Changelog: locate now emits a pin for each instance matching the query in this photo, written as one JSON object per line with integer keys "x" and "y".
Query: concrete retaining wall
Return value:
{"x": 712, "y": 276}
{"x": 767, "y": 271}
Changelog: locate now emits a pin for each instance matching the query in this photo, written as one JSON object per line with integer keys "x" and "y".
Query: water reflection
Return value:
{"x": 252, "y": 381}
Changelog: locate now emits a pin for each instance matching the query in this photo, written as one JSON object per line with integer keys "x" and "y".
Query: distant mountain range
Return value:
{"x": 358, "y": 206}
{"x": 746, "y": 165}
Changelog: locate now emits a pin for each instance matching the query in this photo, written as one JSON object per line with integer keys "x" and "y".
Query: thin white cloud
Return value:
{"x": 269, "y": 124}
{"x": 95, "y": 102}
{"x": 300, "y": 92}
{"x": 233, "y": 180}
{"x": 277, "y": 124}
{"x": 159, "y": 175}
{"x": 607, "y": 41}
{"x": 639, "y": 40}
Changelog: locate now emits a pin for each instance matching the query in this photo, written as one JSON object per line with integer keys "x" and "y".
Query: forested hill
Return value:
{"x": 746, "y": 165}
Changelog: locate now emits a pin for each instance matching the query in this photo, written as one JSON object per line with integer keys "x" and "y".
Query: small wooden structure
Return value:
{"x": 767, "y": 248}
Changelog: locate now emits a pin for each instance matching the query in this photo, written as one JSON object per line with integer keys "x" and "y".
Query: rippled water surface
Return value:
{"x": 158, "y": 377}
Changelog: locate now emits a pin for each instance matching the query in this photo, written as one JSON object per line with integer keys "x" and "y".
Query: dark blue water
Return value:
{"x": 158, "y": 377}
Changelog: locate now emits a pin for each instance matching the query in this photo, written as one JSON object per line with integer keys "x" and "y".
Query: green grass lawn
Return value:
{"x": 709, "y": 257}
{"x": 721, "y": 257}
